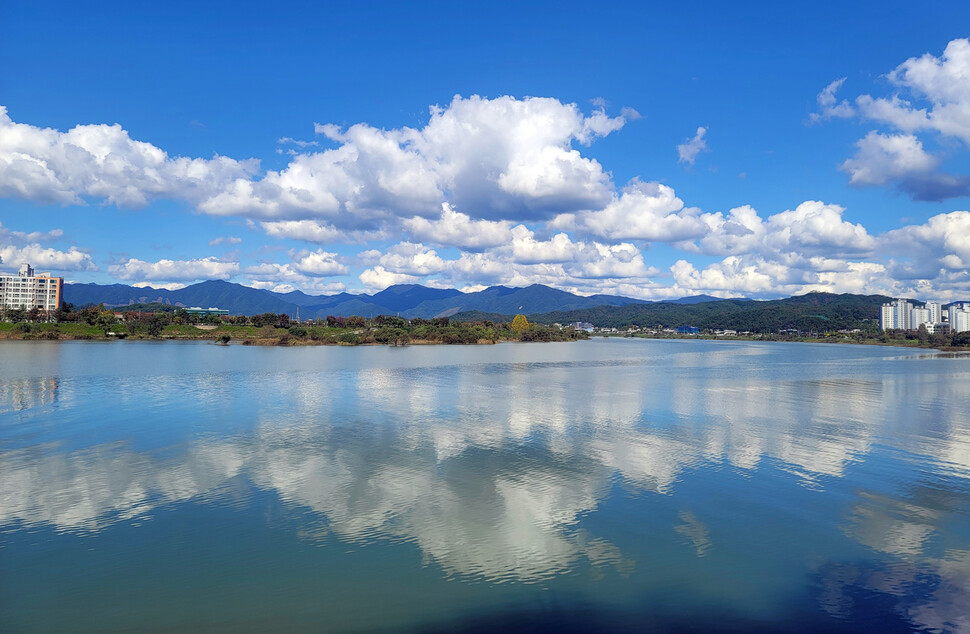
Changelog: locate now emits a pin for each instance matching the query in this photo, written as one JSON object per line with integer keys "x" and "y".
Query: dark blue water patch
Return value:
{"x": 577, "y": 616}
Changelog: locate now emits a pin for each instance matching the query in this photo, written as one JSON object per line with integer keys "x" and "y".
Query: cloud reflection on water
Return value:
{"x": 488, "y": 468}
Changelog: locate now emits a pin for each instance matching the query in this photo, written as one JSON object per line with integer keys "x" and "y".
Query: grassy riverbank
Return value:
{"x": 442, "y": 332}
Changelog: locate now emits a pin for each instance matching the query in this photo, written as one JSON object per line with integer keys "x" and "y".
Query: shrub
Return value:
{"x": 351, "y": 338}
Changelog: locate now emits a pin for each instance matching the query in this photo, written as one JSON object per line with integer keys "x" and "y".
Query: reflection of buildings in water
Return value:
{"x": 28, "y": 393}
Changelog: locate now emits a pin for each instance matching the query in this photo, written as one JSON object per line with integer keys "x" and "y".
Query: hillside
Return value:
{"x": 810, "y": 312}
{"x": 406, "y": 300}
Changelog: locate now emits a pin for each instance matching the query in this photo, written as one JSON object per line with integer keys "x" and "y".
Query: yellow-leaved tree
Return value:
{"x": 520, "y": 323}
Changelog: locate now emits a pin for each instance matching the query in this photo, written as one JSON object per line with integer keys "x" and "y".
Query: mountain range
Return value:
{"x": 406, "y": 300}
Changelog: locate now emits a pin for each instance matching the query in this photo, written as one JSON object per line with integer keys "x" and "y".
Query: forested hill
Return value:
{"x": 810, "y": 312}
{"x": 406, "y": 300}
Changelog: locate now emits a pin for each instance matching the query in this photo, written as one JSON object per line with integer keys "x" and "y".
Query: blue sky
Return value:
{"x": 651, "y": 151}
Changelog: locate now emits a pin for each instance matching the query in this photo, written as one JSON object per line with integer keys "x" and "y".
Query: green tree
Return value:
{"x": 16, "y": 315}
{"x": 155, "y": 325}
{"x": 105, "y": 321}
{"x": 922, "y": 335}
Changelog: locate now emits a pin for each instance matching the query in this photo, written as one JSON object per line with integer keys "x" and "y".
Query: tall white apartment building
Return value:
{"x": 27, "y": 290}
{"x": 887, "y": 317}
{"x": 918, "y": 317}
{"x": 959, "y": 315}
{"x": 904, "y": 314}
{"x": 896, "y": 315}
{"x": 936, "y": 312}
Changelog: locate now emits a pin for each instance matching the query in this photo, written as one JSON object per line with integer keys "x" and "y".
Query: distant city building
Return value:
{"x": 887, "y": 317}
{"x": 688, "y": 330}
{"x": 27, "y": 290}
{"x": 936, "y": 312}
{"x": 902, "y": 315}
{"x": 937, "y": 328}
{"x": 582, "y": 325}
{"x": 896, "y": 315}
{"x": 959, "y": 315}
{"x": 919, "y": 317}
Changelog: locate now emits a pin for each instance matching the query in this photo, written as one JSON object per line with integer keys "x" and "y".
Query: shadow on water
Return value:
{"x": 561, "y": 617}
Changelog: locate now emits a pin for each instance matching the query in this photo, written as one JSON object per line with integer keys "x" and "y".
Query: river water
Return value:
{"x": 589, "y": 486}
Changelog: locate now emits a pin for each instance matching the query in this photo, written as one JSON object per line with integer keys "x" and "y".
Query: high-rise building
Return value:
{"x": 959, "y": 315}
{"x": 936, "y": 312}
{"x": 904, "y": 314}
{"x": 918, "y": 317}
{"x": 27, "y": 290}
{"x": 887, "y": 317}
{"x": 962, "y": 323}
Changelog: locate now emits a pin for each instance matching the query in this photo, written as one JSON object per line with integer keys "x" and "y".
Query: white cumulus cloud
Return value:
{"x": 644, "y": 211}
{"x": 456, "y": 229}
{"x": 319, "y": 263}
{"x": 885, "y": 157}
{"x": 45, "y": 258}
{"x": 174, "y": 270}
{"x": 103, "y": 162}
{"x": 930, "y": 95}
{"x": 689, "y": 149}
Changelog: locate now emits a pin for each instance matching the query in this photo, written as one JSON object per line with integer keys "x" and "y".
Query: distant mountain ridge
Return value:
{"x": 811, "y": 312}
{"x": 406, "y": 300}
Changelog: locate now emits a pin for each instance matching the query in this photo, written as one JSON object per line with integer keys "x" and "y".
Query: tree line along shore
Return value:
{"x": 97, "y": 323}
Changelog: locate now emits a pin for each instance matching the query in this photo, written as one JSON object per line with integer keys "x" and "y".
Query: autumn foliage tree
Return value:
{"x": 520, "y": 323}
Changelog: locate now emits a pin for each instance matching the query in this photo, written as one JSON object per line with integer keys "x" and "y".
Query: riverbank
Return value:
{"x": 297, "y": 335}
{"x": 456, "y": 333}
{"x": 912, "y": 344}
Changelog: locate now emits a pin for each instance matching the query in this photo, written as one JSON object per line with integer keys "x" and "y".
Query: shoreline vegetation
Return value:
{"x": 269, "y": 329}
{"x": 832, "y": 338}
{"x": 278, "y": 330}
{"x": 454, "y": 333}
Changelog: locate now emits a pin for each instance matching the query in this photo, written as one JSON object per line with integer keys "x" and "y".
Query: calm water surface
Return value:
{"x": 601, "y": 485}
